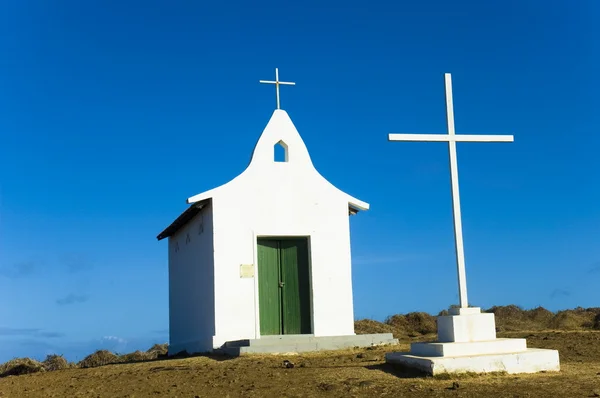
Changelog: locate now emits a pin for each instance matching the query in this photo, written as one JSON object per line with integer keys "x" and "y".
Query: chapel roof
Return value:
{"x": 280, "y": 126}
{"x": 197, "y": 207}
{"x": 183, "y": 218}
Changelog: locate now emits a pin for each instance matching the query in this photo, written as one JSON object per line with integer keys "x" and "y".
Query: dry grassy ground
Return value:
{"x": 349, "y": 373}
{"x": 359, "y": 372}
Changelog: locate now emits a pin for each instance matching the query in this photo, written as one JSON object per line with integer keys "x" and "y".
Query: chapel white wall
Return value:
{"x": 281, "y": 199}
{"x": 191, "y": 288}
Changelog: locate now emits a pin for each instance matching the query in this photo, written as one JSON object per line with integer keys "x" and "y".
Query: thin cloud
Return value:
{"x": 114, "y": 339}
{"x": 50, "y": 335}
{"x": 19, "y": 270}
{"x": 556, "y": 293}
{"x": 75, "y": 262}
{"x": 6, "y": 331}
{"x": 114, "y": 344}
{"x": 72, "y": 299}
{"x": 594, "y": 268}
{"x": 28, "y": 332}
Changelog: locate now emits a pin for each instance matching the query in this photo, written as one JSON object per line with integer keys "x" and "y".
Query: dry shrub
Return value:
{"x": 421, "y": 322}
{"x": 412, "y": 324}
{"x": 159, "y": 350}
{"x": 137, "y": 356}
{"x": 508, "y": 318}
{"x": 576, "y": 319}
{"x": 540, "y": 316}
{"x": 399, "y": 325}
{"x": 369, "y": 326}
{"x": 597, "y": 321}
{"x": 511, "y": 317}
{"x": 55, "y": 362}
{"x": 508, "y": 311}
{"x": 20, "y": 366}
{"x": 99, "y": 358}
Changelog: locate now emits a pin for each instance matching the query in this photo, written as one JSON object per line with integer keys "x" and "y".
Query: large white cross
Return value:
{"x": 452, "y": 139}
{"x": 277, "y": 83}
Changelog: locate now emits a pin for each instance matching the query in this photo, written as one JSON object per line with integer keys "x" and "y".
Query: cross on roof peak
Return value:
{"x": 277, "y": 83}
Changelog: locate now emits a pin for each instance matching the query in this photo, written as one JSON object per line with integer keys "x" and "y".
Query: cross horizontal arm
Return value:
{"x": 450, "y": 138}
{"x": 272, "y": 82}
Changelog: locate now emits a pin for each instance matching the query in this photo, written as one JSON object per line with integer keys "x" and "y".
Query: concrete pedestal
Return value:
{"x": 467, "y": 343}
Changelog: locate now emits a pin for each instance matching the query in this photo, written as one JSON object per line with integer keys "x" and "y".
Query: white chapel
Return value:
{"x": 266, "y": 254}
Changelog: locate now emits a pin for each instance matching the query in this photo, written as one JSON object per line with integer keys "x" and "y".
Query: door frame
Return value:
{"x": 255, "y": 238}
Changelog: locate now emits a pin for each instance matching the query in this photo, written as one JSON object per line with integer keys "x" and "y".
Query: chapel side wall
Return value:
{"x": 191, "y": 287}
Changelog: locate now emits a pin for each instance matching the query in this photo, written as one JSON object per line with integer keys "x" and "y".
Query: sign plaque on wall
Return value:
{"x": 247, "y": 271}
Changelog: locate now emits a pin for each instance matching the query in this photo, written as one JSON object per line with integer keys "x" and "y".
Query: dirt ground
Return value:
{"x": 348, "y": 373}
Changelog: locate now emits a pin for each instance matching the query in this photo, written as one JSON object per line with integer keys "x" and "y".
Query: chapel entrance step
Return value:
{"x": 304, "y": 343}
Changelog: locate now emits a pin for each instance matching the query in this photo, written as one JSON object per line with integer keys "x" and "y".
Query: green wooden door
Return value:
{"x": 284, "y": 286}
{"x": 296, "y": 286}
{"x": 269, "y": 292}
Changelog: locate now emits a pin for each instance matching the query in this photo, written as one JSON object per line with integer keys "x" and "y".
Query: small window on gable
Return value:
{"x": 281, "y": 152}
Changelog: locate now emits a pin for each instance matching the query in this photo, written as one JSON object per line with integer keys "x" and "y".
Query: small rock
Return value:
{"x": 361, "y": 355}
{"x": 595, "y": 394}
{"x": 365, "y": 383}
{"x": 287, "y": 364}
{"x": 325, "y": 386}
{"x": 455, "y": 386}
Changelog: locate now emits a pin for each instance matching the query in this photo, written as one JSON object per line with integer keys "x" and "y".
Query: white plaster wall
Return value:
{"x": 191, "y": 287}
{"x": 281, "y": 199}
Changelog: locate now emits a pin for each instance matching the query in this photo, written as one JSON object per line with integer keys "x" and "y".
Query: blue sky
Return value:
{"x": 112, "y": 114}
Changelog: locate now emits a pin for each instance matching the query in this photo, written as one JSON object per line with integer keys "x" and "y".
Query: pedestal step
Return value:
{"x": 470, "y": 325}
{"x": 496, "y": 346}
{"x": 530, "y": 361}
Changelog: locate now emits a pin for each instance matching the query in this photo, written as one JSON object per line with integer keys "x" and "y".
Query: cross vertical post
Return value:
{"x": 452, "y": 138}
{"x": 277, "y": 83}
{"x": 277, "y": 86}
{"x": 458, "y": 235}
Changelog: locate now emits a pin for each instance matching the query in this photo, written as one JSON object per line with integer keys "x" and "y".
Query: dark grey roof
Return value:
{"x": 186, "y": 216}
